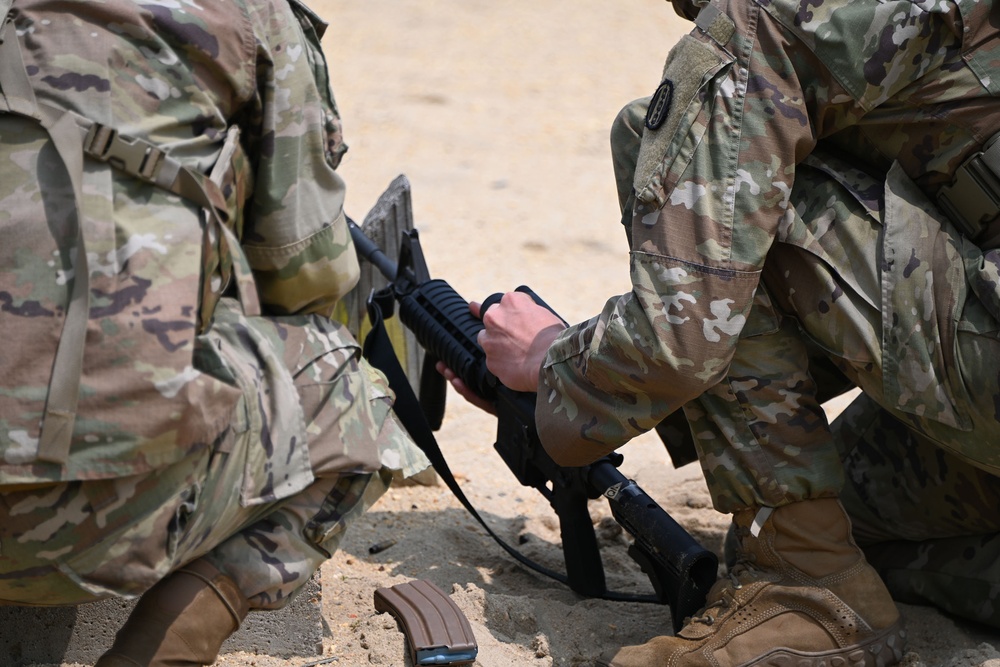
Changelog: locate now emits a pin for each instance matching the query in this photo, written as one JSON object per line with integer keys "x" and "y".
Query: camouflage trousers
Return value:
{"x": 928, "y": 521}
{"x": 865, "y": 286}
{"x": 264, "y": 504}
{"x": 893, "y": 298}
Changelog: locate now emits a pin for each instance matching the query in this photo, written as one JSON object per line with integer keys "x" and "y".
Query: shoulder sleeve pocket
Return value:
{"x": 678, "y": 114}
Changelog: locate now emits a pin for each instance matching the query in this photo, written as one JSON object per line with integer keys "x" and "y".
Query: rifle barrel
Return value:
{"x": 370, "y": 251}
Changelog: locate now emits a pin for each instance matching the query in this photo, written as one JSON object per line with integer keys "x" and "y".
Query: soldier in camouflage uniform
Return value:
{"x": 180, "y": 418}
{"x": 797, "y": 193}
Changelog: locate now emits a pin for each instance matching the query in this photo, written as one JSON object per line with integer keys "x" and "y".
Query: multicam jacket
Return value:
{"x": 901, "y": 90}
{"x": 234, "y": 90}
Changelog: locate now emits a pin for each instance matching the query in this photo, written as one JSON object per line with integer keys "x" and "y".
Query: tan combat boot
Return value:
{"x": 181, "y": 621}
{"x": 800, "y": 594}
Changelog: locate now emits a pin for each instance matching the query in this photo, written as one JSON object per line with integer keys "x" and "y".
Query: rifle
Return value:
{"x": 679, "y": 568}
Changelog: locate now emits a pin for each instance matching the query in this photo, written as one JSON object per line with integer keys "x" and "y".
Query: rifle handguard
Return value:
{"x": 440, "y": 319}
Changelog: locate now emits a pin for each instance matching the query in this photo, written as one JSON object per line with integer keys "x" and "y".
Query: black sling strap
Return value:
{"x": 379, "y": 352}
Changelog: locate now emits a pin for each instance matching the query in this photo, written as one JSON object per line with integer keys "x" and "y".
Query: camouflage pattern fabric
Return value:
{"x": 752, "y": 91}
{"x": 927, "y": 520}
{"x": 826, "y": 283}
{"x": 167, "y": 76}
{"x": 922, "y": 504}
{"x": 271, "y": 433}
{"x": 866, "y": 272}
{"x": 922, "y": 494}
{"x": 235, "y": 502}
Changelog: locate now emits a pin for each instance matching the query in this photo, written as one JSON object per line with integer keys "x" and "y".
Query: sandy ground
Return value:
{"x": 498, "y": 113}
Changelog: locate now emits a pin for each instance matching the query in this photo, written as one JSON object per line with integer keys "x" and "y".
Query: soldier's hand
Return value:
{"x": 516, "y": 337}
{"x": 463, "y": 389}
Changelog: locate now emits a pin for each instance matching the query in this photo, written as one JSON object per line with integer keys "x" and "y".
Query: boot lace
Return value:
{"x": 723, "y": 594}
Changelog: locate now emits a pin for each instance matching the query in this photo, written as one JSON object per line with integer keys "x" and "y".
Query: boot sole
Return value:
{"x": 884, "y": 650}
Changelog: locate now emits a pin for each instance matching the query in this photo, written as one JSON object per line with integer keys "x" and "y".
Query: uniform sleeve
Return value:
{"x": 744, "y": 98}
{"x": 295, "y": 235}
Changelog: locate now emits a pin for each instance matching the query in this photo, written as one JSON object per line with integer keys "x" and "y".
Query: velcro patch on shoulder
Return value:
{"x": 659, "y": 105}
{"x": 689, "y": 67}
{"x": 716, "y": 25}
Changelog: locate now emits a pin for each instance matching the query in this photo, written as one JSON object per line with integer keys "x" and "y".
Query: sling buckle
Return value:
{"x": 132, "y": 156}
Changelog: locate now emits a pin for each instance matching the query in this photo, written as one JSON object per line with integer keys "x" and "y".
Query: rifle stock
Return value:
{"x": 679, "y": 568}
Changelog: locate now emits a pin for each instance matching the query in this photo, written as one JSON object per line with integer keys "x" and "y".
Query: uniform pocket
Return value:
{"x": 980, "y": 49}
{"x": 923, "y": 289}
{"x": 763, "y": 317}
{"x": 678, "y": 115}
{"x": 313, "y": 28}
{"x": 143, "y": 522}
{"x": 345, "y": 403}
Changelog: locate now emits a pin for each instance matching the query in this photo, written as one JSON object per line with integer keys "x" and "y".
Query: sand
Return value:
{"x": 498, "y": 113}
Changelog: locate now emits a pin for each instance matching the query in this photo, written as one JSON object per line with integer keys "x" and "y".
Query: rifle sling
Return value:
{"x": 379, "y": 352}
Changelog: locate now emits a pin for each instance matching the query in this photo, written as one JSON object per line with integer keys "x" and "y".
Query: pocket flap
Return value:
{"x": 924, "y": 287}
{"x": 673, "y": 111}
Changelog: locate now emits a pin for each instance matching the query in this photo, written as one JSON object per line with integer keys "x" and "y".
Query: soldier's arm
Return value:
{"x": 741, "y": 103}
{"x": 297, "y": 239}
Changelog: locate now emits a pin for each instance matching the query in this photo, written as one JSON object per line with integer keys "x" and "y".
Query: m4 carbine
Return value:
{"x": 679, "y": 568}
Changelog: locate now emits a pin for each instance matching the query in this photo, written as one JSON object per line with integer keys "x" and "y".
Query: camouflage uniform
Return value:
{"x": 779, "y": 190}
{"x": 221, "y": 412}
